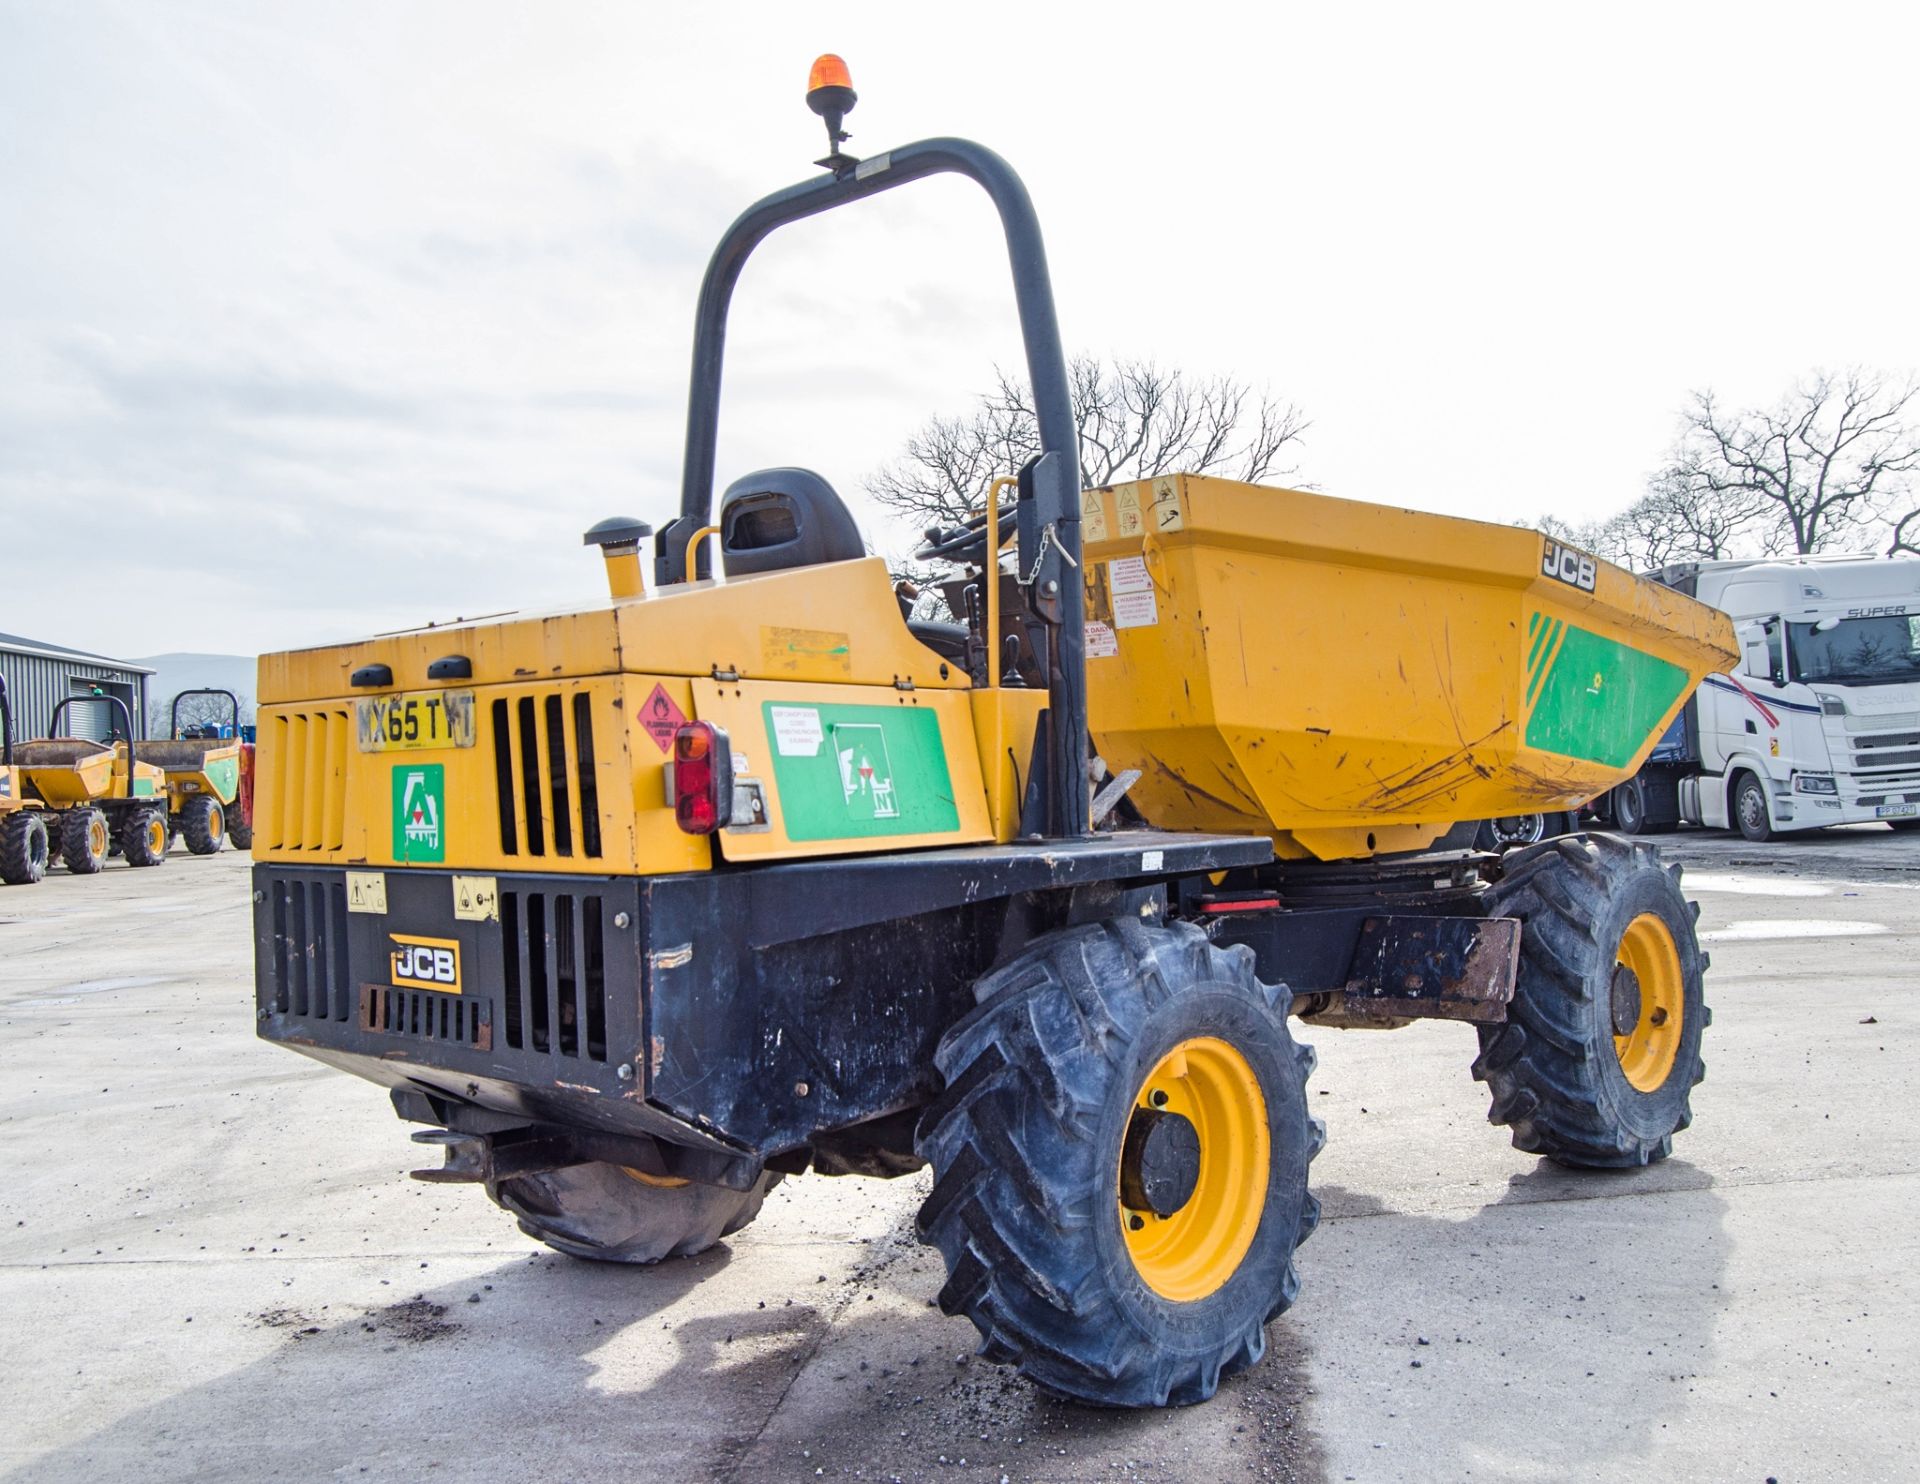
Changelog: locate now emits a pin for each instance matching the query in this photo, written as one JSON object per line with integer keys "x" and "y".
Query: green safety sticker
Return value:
{"x": 420, "y": 812}
{"x": 848, "y": 772}
{"x": 224, "y": 774}
{"x": 1592, "y": 697}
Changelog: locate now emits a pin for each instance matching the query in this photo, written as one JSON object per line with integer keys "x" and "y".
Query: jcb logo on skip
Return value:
{"x": 1574, "y": 568}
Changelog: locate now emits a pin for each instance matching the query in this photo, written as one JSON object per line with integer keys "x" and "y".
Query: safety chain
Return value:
{"x": 1048, "y": 537}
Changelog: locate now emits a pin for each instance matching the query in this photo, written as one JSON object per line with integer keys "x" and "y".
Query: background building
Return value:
{"x": 40, "y": 676}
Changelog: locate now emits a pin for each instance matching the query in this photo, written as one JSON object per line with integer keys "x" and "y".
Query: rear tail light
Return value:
{"x": 702, "y": 777}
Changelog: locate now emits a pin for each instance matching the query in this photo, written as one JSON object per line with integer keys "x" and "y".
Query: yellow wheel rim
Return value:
{"x": 1647, "y": 1052}
{"x": 1193, "y": 1252}
{"x": 97, "y": 837}
{"x": 156, "y": 837}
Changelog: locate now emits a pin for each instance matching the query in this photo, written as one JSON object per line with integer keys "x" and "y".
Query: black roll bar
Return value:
{"x": 1049, "y": 523}
{"x": 173, "y": 712}
{"x": 6, "y": 725}
{"x": 126, "y": 731}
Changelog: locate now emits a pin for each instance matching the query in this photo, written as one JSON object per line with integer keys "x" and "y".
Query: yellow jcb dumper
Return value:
{"x": 97, "y": 795}
{"x": 24, "y": 845}
{"x": 642, "y": 906}
{"x": 205, "y": 771}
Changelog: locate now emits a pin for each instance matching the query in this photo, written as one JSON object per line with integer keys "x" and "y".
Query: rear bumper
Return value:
{"x": 736, "y": 1011}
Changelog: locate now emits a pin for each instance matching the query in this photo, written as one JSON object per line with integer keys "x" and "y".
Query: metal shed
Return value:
{"x": 40, "y": 675}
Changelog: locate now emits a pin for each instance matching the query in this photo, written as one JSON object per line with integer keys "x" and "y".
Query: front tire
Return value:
{"x": 1601, "y": 1049}
{"x": 204, "y": 823}
{"x": 85, "y": 840}
{"x": 1106, "y": 1272}
{"x": 23, "y": 848}
{"x": 145, "y": 839}
{"x": 607, "y": 1213}
{"x": 1750, "y": 813}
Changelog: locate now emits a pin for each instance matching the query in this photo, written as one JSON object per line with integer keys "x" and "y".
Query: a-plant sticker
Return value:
{"x": 420, "y": 813}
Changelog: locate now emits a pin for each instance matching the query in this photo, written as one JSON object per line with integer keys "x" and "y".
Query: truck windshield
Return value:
{"x": 1858, "y": 651}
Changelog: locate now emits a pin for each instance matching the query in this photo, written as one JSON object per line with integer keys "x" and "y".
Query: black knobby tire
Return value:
{"x": 606, "y": 1213}
{"x": 84, "y": 840}
{"x": 1749, "y": 809}
{"x": 239, "y": 826}
{"x": 204, "y": 824}
{"x": 23, "y": 848}
{"x": 1026, "y": 1143}
{"x": 1555, "y": 1075}
{"x": 145, "y": 837}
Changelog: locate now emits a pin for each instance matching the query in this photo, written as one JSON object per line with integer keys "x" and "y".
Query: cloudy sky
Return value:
{"x": 323, "y": 318}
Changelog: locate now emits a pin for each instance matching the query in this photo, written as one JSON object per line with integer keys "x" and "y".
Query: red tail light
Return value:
{"x": 702, "y": 777}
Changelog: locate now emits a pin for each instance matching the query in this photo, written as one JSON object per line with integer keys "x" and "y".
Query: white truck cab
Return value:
{"x": 1820, "y": 724}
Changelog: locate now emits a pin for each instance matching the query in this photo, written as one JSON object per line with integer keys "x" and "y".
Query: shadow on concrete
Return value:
{"x": 1562, "y": 1326}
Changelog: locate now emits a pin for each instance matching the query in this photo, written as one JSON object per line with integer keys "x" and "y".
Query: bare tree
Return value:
{"x": 1906, "y": 533}
{"x": 1135, "y": 421}
{"x": 1820, "y": 465}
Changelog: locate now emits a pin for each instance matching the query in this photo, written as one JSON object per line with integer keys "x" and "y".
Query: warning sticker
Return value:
{"x": 662, "y": 717}
{"x": 1093, "y": 517}
{"x": 1166, "y": 505}
{"x": 1102, "y": 642}
{"x": 1134, "y": 610}
{"x": 1126, "y": 501}
{"x": 1130, "y": 575}
{"x": 796, "y": 730}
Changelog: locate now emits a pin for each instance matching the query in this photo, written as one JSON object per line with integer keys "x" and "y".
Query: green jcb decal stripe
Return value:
{"x": 1602, "y": 700}
{"x": 852, "y": 772}
{"x": 1542, "y": 657}
{"x": 224, "y": 774}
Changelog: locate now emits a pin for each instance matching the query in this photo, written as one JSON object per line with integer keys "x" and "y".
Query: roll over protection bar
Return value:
{"x": 1048, "y": 521}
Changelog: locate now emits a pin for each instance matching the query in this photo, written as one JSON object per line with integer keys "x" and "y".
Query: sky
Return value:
{"x": 323, "y": 319}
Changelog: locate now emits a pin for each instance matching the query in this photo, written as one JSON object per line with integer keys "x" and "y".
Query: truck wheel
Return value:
{"x": 239, "y": 831}
{"x": 1630, "y": 807}
{"x": 23, "y": 848}
{"x": 608, "y": 1213}
{"x": 84, "y": 840}
{"x": 204, "y": 823}
{"x": 1750, "y": 809}
{"x": 145, "y": 839}
{"x": 1601, "y": 1048}
{"x": 1120, "y": 1163}
{"x": 1511, "y": 831}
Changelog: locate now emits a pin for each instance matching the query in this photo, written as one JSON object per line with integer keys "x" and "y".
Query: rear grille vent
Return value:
{"x": 426, "y": 1015}
{"x": 554, "y": 954}
{"x": 310, "y": 782}
{"x": 543, "y": 768}
{"x": 310, "y": 977}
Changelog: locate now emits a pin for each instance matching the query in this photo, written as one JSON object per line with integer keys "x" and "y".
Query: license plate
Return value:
{"x": 1896, "y": 811}
{"x": 416, "y": 720}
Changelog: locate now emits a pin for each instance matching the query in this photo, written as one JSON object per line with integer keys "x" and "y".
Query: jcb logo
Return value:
{"x": 1574, "y": 568}
{"x": 426, "y": 963}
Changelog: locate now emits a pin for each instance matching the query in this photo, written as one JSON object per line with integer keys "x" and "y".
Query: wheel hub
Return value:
{"x": 1160, "y": 1163}
{"x": 1626, "y": 1000}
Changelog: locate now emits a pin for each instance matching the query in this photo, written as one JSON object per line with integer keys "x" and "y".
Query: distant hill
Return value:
{"x": 178, "y": 672}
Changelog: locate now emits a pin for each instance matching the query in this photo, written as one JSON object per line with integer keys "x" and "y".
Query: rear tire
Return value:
{"x": 84, "y": 840}
{"x": 204, "y": 823}
{"x": 1563, "y": 1077}
{"x": 607, "y": 1213}
{"x": 1750, "y": 813}
{"x": 145, "y": 838}
{"x": 23, "y": 848}
{"x": 1630, "y": 807}
{"x": 1077, "y": 1040}
{"x": 239, "y": 830}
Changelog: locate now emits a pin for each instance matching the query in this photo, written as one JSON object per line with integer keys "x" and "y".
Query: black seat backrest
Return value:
{"x": 774, "y": 519}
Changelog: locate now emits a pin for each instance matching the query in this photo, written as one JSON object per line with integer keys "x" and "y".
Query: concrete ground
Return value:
{"x": 212, "y": 1266}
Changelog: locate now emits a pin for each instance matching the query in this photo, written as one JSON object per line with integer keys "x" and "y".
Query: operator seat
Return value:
{"x": 775, "y": 519}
